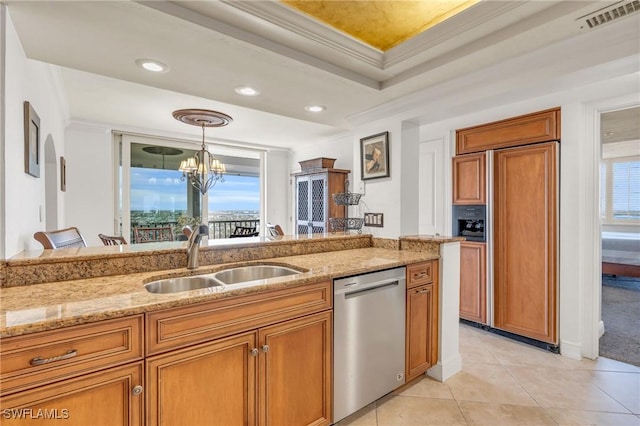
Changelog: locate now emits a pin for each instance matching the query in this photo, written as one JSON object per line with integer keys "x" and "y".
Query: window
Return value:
{"x": 153, "y": 194}
{"x": 620, "y": 190}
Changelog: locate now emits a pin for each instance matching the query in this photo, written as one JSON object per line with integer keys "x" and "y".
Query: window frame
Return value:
{"x": 606, "y": 214}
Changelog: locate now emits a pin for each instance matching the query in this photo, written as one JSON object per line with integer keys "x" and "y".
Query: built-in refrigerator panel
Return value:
{"x": 523, "y": 243}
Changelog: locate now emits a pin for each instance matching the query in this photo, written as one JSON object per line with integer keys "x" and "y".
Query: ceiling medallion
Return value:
{"x": 202, "y": 117}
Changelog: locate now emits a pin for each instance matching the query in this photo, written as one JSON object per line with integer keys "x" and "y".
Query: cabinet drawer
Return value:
{"x": 40, "y": 358}
{"x": 419, "y": 274}
{"x": 105, "y": 397}
{"x": 184, "y": 326}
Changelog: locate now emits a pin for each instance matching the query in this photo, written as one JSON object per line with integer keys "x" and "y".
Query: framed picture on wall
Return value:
{"x": 32, "y": 155}
{"x": 374, "y": 156}
{"x": 63, "y": 174}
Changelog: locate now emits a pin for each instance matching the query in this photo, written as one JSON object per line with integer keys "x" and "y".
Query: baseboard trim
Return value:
{"x": 446, "y": 368}
{"x": 570, "y": 350}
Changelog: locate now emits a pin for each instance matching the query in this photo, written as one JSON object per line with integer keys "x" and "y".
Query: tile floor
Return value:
{"x": 504, "y": 382}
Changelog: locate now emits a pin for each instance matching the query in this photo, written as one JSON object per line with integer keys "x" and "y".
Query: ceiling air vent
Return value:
{"x": 608, "y": 14}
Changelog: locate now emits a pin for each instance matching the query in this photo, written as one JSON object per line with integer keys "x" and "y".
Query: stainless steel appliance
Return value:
{"x": 470, "y": 222}
{"x": 369, "y": 338}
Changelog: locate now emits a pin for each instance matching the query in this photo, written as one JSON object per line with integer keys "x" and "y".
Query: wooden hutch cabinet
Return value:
{"x": 314, "y": 205}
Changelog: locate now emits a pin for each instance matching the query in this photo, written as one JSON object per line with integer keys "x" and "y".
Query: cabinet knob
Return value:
{"x": 254, "y": 352}
{"x": 137, "y": 390}
{"x": 265, "y": 348}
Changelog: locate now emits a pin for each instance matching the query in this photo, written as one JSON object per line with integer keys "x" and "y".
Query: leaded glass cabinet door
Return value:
{"x": 311, "y": 204}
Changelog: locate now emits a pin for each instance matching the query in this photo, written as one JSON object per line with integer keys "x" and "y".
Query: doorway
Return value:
{"x": 620, "y": 238}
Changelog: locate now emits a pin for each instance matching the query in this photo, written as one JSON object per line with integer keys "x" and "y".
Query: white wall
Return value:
{"x": 90, "y": 181}
{"x": 382, "y": 195}
{"x": 24, "y": 196}
{"x": 340, "y": 148}
{"x": 277, "y": 180}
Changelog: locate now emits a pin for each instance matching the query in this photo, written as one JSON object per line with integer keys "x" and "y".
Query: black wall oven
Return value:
{"x": 470, "y": 222}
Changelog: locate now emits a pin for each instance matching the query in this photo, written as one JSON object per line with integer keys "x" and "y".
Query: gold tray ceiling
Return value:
{"x": 381, "y": 24}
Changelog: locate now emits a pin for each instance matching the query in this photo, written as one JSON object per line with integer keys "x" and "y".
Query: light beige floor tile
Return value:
{"x": 606, "y": 364}
{"x": 412, "y": 411}
{"x": 482, "y": 413}
{"x": 516, "y": 353}
{"x": 473, "y": 353}
{"x": 576, "y": 417}
{"x": 623, "y": 387}
{"x": 560, "y": 388}
{"x": 488, "y": 383}
{"x": 426, "y": 387}
{"x": 364, "y": 417}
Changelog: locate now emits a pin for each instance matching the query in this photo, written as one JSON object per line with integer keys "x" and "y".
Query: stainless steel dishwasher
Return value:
{"x": 368, "y": 338}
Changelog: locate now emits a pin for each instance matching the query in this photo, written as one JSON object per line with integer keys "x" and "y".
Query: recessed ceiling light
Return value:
{"x": 152, "y": 65}
{"x": 247, "y": 91}
{"x": 315, "y": 108}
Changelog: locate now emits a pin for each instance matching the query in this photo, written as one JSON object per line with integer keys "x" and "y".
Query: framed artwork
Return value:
{"x": 32, "y": 155}
{"x": 63, "y": 174}
{"x": 374, "y": 156}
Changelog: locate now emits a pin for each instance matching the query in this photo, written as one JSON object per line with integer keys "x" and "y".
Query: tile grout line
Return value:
{"x": 615, "y": 399}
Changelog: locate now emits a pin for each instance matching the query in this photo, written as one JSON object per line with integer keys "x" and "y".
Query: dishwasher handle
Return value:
{"x": 377, "y": 286}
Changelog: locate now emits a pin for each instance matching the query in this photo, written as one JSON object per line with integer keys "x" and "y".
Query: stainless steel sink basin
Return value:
{"x": 174, "y": 285}
{"x": 253, "y": 273}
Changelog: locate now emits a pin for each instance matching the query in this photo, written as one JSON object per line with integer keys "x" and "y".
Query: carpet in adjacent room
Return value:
{"x": 621, "y": 316}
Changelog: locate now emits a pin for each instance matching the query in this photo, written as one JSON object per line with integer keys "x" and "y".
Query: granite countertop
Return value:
{"x": 47, "y": 306}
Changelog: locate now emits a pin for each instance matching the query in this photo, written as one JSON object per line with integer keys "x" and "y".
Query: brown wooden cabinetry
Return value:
{"x": 274, "y": 375}
{"x": 295, "y": 371}
{"x": 469, "y": 179}
{"x": 209, "y": 384}
{"x": 83, "y": 375}
{"x": 273, "y": 368}
{"x": 537, "y": 127}
{"x": 473, "y": 289}
{"x": 422, "y": 318}
{"x": 314, "y": 205}
{"x": 110, "y": 397}
{"x": 525, "y": 238}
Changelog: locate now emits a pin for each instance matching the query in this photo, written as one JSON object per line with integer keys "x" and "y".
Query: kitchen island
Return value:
{"x": 155, "y": 331}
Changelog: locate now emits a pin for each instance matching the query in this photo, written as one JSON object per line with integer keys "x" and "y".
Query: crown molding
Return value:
{"x": 284, "y": 17}
{"x": 253, "y": 32}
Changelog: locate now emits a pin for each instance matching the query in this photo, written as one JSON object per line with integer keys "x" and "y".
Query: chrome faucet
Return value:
{"x": 193, "y": 245}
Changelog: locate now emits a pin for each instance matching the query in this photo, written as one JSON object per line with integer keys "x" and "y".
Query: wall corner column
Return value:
{"x": 449, "y": 360}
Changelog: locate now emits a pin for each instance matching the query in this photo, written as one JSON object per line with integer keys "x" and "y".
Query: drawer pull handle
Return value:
{"x": 426, "y": 290}
{"x": 420, "y": 275}
{"x": 39, "y": 360}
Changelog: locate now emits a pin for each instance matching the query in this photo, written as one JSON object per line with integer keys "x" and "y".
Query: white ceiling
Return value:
{"x": 214, "y": 46}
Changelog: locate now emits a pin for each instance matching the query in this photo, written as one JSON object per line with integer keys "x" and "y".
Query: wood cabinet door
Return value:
{"x": 209, "y": 384}
{"x": 469, "y": 179}
{"x": 473, "y": 283}
{"x": 525, "y": 238}
{"x": 419, "y": 352}
{"x": 295, "y": 372}
{"x": 104, "y": 398}
{"x": 541, "y": 126}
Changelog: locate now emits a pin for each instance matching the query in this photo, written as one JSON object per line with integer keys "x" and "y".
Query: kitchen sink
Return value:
{"x": 252, "y": 273}
{"x": 174, "y": 285}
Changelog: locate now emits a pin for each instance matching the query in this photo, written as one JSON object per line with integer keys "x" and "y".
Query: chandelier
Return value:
{"x": 203, "y": 170}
